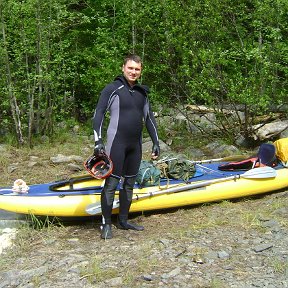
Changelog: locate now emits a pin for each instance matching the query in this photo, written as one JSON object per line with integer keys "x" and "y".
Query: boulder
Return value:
{"x": 269, "y": 130}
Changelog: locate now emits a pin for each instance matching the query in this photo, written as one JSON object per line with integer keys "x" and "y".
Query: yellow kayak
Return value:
{"x": 80, "y": 196}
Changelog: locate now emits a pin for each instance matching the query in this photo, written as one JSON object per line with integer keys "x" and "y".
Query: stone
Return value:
{"x": 262, "y": 247}
{"x": 223, "y": 255}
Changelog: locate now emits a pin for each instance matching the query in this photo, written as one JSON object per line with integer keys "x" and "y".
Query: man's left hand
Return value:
{"x": 155, "y": 151}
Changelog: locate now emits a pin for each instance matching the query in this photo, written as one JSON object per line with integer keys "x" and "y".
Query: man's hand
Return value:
{"x": 155, "y": 151}
{"x": 99, "y": 147}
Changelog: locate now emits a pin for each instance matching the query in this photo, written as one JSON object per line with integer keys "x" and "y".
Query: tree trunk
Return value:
{"x": 39, "y": 70}
{"x": 12, "y": 98}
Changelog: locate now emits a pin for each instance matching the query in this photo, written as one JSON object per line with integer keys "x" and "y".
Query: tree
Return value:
{"x": 40, "y": 72}
{"x": 9, "y": 82}
{"x": 58, "y": 58}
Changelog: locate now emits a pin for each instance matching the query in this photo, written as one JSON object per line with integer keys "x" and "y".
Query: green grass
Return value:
{"x": 217, "y": 283}
{"x": 98, "y": 269}
{"x": 94, "y": 273}
{"x": 34, "y": 232}
{"x": 40, "y": 223}
{"x": 280, "y": 266}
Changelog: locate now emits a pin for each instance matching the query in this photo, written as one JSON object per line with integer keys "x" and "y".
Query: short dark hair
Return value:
{"x": 132, "y": 57}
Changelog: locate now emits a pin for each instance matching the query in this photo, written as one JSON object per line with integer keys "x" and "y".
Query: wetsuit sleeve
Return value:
{"x": 100, "y": 111}
{"x": 150, "y": 123}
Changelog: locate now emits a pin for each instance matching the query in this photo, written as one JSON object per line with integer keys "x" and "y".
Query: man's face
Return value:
{"x": 132, "y": 71}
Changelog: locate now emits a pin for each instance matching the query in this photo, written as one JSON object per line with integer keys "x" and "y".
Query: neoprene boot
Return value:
{"x": 106, "y": 231}
{"x": 124, "y": 224}
{"x": 107, "y": 198}
{"x": 125, "y": 198}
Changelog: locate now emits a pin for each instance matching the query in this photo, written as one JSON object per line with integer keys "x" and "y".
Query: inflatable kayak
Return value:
{"x": 80, "y": 196}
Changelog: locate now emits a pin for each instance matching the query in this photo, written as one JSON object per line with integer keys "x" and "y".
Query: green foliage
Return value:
{"x": 62, "y": 53}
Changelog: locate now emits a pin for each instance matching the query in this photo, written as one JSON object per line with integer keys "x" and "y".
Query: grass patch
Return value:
{"x": 16, "y": 163}
{"x": 31, "y": 235}
{"x": 217, "y": 283}
{"x": 40, "y": 223}
{"x": 280, "y": 266}
{"x": 94, "y": 273}
{"x": 226, "y": 204}
{"x": 250, "y": 220}
{"x": 127, "y": 266}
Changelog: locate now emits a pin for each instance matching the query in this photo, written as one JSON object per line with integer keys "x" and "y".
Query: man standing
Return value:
{"x": 127, "y": 102}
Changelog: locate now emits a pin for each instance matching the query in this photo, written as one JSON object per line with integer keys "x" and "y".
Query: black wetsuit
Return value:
{"x": 128, "y": 107}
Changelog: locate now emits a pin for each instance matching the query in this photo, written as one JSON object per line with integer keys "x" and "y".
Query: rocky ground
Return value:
{"x": 228, "y": 244}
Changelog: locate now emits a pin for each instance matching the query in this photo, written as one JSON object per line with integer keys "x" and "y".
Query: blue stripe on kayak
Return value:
{"x": 204, "y": 172}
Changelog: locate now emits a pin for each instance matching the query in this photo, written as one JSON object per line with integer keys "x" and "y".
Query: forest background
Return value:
{"x": 57, "y": 55}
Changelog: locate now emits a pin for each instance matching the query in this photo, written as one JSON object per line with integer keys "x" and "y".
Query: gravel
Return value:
{"x": 230, "y": 244}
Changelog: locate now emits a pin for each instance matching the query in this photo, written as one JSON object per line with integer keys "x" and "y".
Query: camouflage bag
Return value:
{"x": 148, "y": 174}
{"x": 176, "y": 167}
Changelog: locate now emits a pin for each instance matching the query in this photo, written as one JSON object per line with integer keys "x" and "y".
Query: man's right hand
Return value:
{"x": 99, "y": 147}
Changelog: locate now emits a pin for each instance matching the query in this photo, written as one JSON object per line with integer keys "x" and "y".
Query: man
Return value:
{"x": 127, "y": 102}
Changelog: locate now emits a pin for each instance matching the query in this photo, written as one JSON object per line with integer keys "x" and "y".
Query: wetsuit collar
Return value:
{"x": 124, "y": 81}
{"x": 143, "y": 88}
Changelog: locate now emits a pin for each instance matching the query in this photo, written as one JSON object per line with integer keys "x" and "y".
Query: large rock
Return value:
{"x": 269, "y": 130}
{"x": 147, "y": 146}
{"x": 58, "y": 159}
{"x": 222, "y": 150}
{"x": 6, "y": 216}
